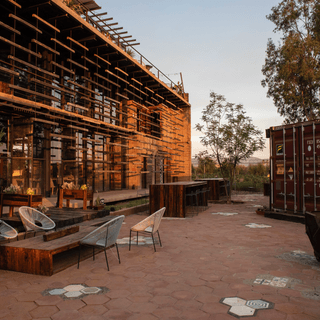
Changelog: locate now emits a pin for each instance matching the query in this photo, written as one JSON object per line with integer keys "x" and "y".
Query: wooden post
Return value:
{"x": 85, "y": 193}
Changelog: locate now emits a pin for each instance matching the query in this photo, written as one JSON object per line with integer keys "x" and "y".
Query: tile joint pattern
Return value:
{"x": 245, "y": 308}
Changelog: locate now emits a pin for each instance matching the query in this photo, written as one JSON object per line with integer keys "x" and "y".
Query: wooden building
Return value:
{"x": 76, "y": 106}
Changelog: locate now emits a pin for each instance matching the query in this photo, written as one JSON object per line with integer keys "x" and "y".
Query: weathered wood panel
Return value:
{"x": 173, "y": 197}
{"x": 36, "y": 256}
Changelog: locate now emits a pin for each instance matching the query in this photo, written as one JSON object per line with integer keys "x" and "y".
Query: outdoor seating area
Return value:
{"x": 35, "y": 220}
{"x": 266, "y": 265}
{"x": 103, "y": 237}
{"x": 149, "y": 225}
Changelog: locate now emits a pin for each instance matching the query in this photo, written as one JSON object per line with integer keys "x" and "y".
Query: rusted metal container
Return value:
{"x": 295, "y": 167}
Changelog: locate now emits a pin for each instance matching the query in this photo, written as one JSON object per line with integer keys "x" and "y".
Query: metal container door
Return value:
{"x": 284, "y": 174}
{"x": 311, "y": 167}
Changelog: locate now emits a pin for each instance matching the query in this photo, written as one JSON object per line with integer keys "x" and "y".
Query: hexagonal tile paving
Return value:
{"x": 141, "y": 241}
{"x": 245, "y": 308}
{"x": 257, "y": 226}
{"x": 225, "y": 213}
{"x": 75, "y": 291}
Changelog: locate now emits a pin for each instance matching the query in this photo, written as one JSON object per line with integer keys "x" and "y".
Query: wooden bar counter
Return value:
{"x": 216, "y": 186}
{"x": 173, "y": 196}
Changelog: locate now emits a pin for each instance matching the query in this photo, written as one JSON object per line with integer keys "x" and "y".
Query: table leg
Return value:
{"x": 85, "y": 200}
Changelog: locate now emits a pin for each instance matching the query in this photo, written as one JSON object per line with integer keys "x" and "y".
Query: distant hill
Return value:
{"x": 247, "y": 162}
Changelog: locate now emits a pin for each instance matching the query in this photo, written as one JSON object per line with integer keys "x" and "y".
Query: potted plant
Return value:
{"x": 98, "y": 205}
{"x": 12, "y": 196}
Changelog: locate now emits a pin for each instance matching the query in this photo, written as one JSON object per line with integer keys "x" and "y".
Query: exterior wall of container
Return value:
{"x": 295, "y": 167}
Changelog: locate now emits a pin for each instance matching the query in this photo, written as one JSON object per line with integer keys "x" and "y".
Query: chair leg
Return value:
{"x": 154, "y": 246}
{"x": 105, "y": 253}
{"x": 118, "y": 253}
{"x": 159, "y": 238}
{"x": 130, "y": 241}
{"x": 79, "y": 255}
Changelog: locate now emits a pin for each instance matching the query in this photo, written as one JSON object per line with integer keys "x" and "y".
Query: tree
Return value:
{"x": 229, "y": 135}
{"x": 292, "y": 69}
{"x": 205, "y": 163}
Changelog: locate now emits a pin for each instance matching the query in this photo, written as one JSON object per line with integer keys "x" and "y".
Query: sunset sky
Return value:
{"x": 217, "y": 45}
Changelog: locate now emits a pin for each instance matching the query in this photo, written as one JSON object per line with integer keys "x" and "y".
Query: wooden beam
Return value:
{"x": 78, "y": 128}
{"x": 62, "y": 45}
{"x": 107, "y": 62}
{"x": 131, "y": 85}
{"x": 96, "y": 102}
{"x": 45, "y": 46}
{"x": 24, "y": 22}
{"x": 116, "y": 68}
{"x": 114, "y": 29}
{"x": 112, "y": 24}
{"x": 78, "y": 64}
{"x": 15, "y": 3}
{"x": 10, "y": 28}
{"x": 77, "y": 106}
{"x": 77, "y": 43}
{"x": 98, "y": 15}
{"x": 83, "y": 87}
{"x": 49, "y": 85}
{"x": 58, "y": 17}
{"x": 87, "y": 38}
{"x": 106, "y": 19}
{"x": 45, "y": 121}
{"x": 45, "y": 22}
{"x": 9, "y": 71}
{"x": 20, "y": 47}
{"x": 62, "y": 67}
{"x": 80, "y": 26}
{"x": 33, "y": 92}
{"x": 96, "y": 83}
{"x": 150, "y": 90}
{"x": 104, "y": 78}
{"x": 85, "y": 58}
{"x": 34, "y": 67}
{"x": 113, "y": 74}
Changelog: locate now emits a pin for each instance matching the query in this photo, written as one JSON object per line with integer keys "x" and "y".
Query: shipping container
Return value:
{"x": 295, "y": 167}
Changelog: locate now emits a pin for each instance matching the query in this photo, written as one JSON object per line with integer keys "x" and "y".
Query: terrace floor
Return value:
{"x": 225, "y": 263}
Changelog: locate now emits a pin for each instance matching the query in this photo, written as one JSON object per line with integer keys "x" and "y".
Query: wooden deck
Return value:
{"x": 68, "y": 216}
{"x": 36, "y": 256}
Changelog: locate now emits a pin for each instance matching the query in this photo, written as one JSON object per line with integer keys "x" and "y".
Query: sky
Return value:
{"x": 217, "y": 45}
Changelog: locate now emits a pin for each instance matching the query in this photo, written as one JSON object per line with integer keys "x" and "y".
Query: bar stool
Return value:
{"x": 193, "y": 196}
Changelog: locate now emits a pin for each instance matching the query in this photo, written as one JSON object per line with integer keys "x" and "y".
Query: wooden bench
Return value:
{"x": 36, "y": 256}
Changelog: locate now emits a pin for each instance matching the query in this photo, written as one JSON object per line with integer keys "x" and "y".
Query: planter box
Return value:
{"x": 19, "y": 200}
{"x": 84, "y": 195}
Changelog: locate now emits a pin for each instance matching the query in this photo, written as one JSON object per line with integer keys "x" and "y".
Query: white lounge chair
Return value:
{"x": 149, "y": 225}
{"x": 103, "y": 237}
{"x": 6, "y": 231}
{"x": 35, "y": 220}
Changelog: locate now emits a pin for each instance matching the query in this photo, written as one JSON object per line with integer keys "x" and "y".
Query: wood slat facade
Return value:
{"x": 76, "y": 107}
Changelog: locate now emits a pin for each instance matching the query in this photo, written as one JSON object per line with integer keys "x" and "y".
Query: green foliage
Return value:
{"x": 206, "y": 165}
{"x": 251, "y": 178}
{"x": 130, "y": 52}
{"x": 229, "y": 134}
{"x": 2, "y": 134}
{"x": 292, "y": 69}
{"x": 130, "y": 204}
